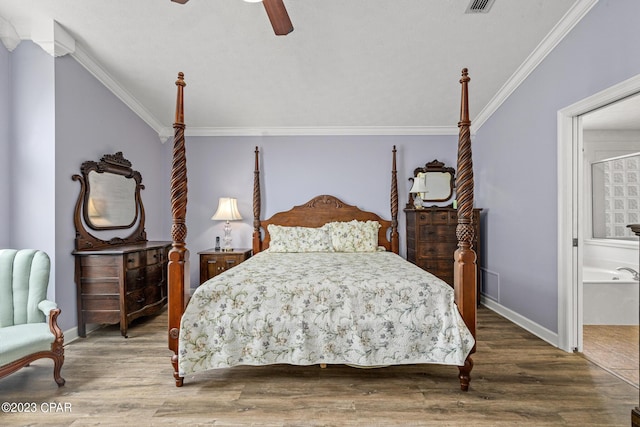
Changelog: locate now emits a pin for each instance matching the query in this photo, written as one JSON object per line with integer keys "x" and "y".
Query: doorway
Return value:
{"x": 610, "y": 200}
{"x": 572, "y": 213}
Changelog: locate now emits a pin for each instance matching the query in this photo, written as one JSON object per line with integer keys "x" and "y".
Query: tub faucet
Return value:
{"x": 636, "y": 276}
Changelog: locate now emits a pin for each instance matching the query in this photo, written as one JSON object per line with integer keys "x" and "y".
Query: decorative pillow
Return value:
{"x": 354, "y": 236}
{"x": 298, "y": 239}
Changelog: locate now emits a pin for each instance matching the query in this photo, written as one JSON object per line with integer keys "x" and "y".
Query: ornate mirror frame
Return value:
{"x": 437, "y": 168}
{"x": 117, "y": 165}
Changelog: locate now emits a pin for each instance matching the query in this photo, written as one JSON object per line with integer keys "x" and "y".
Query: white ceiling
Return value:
{"x": 349, "y": 67}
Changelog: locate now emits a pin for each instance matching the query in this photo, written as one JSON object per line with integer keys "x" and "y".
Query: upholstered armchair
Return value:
{"x": 28, "y": 321}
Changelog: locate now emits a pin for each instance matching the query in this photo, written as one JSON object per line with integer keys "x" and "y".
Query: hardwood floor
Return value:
{"x": 517, "y": 380}
{"x": 614, "y": 348}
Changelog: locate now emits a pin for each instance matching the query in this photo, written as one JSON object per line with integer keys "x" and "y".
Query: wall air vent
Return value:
{"x": 479, "y": 6}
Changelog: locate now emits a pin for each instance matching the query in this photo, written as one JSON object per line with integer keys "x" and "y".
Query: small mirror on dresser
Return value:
{"x": 432, "y": 183}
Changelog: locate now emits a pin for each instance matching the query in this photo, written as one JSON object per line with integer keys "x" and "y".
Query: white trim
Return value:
{"x": 566, "y": 313}
{"x": 526, "y": 324}
{"x": 328, "y": 130}
{"x": 569, "y": 265}
{"x": 167, "y": 132}
{"x": 52, "y": 38}
{"x": 546, "y": 46}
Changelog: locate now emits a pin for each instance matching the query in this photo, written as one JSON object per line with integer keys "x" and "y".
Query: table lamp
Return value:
{"x": 227, "y": 211}
{"x": 419, "y": 187}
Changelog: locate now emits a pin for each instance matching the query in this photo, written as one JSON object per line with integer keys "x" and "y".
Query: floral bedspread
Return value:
{"x": 363, "y": 309}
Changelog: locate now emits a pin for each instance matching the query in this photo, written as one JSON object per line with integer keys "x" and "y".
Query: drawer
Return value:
{"x": 94, "y": 266}
{"x": 100, "y": 287}
{"x": 136, "y": 279}
{"x": 437, "y": 217}
{"x": 100, "y": 272}
{"x": 135, "y": 259}
{"x": 99, "y": 261}
{"x": 437, "y": 250}
{"x": 153, "y": 274}
{"x": 135, "y": 300}
{"x": 155, "y": 256}
{"x": 153, "y": 294}
{"x": 437, "y": 233}
{"x": 101, "y": 302}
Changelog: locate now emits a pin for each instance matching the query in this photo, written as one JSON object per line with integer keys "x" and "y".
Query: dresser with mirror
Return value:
{"x": 432, "y": 218}
{"x": 119, "y": 274}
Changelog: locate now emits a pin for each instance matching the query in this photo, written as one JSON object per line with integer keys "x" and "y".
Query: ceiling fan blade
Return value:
{"x": 278, "y": 16}
{"x": 180, "y": 1}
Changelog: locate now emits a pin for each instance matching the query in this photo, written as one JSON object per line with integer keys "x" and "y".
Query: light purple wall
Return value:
{"x": 515, "y": 155}
{"x": 356, "y": 169}
{"x": 5, "y": 137}
{"x": 91, "y": 122}
{"x": 32, "y": 151}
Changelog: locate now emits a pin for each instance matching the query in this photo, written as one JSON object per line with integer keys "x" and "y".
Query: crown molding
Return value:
{"x": 52, "y": 38}
{"x": 167, "y": 132}
{"x": 9, "y": 35}
{"x": 91, "y": 65}
{"x": 546, "y": 46}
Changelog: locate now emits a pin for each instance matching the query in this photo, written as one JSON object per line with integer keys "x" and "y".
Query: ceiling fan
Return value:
{"x": 277, "y": 13}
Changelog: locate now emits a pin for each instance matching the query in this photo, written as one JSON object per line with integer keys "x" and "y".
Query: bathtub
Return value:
{"x": 610, "y": 297}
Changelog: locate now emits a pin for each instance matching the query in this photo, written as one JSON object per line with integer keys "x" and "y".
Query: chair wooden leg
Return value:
{"x": 57, "y": 366}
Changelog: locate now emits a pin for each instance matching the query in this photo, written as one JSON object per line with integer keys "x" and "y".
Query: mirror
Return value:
{"x": 438, "y": 181}
{"x": 109, "y": 199}
{"x": 615, "y": 191}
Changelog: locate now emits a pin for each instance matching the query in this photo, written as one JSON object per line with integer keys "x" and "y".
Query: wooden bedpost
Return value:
{"x": 178, "y": 267}
{"x": 464, "y": 269}
{"x": 257, "y": 240}
{"x": 395, "y": 241}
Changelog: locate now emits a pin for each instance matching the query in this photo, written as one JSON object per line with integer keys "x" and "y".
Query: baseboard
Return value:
{"x": 71, "y": 335}
{"x": 526, "y": 324}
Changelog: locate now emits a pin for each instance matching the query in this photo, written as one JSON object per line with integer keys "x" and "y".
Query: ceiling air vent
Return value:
{"x": 479, "y": 6}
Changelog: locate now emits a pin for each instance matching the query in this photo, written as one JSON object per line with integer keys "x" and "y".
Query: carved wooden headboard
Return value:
{"x": 323, "y": 209}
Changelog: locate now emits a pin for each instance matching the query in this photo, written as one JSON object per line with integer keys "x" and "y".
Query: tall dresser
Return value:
{"x": 431, "y": 240}
{"x": 118, "y": 279}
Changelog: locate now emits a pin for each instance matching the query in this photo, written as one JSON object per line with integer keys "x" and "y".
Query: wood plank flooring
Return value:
{"x": 517, "y": 380}
{"x": 613, "y": 347}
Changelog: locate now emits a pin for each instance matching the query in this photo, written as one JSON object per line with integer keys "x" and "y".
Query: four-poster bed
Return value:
{"x": 296, "y": 300}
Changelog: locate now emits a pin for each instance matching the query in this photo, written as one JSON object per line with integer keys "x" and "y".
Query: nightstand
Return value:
{"x": 214, "y": 262}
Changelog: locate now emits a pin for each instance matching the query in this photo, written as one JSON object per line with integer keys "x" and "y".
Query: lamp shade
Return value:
{"x": 419, "y": 185}
{"x": 227, "y": 210}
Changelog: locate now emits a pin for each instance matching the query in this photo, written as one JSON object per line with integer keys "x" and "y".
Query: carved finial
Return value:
{"x": 179, "y": 122}
{"x": 465, "y": 75}
{"x": 180, "y": 81}
{"x": 464, "y": 102}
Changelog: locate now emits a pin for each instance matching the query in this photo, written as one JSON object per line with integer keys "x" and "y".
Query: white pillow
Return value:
{"x": 298, "y": 239}
{"x": 354, "y": 236}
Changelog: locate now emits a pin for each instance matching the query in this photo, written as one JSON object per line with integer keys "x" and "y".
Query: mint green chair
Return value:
{"x": 25, "y": 333}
